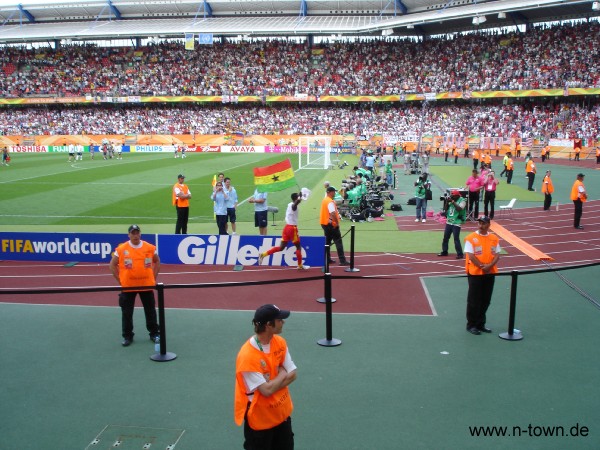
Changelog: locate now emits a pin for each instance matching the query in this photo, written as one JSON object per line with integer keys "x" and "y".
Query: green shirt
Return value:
{"x": 455, "y": 217}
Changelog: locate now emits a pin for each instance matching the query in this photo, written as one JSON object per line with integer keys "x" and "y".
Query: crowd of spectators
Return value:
{"x": 543, "y": 57}
{"x": 492, "y": 118}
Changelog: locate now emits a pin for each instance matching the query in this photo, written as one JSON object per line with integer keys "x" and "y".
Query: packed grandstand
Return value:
{"x": 265, "y": 87}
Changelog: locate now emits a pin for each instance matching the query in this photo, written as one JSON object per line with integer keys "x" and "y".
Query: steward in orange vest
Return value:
{"x": 135, "y": 264}
{"x": 547, "y": 190}
{"x": 579, "y": 197}
{"x": 181, "y": 200}
{"x": 263, "y": 371}
{"x": 482, "y": 251}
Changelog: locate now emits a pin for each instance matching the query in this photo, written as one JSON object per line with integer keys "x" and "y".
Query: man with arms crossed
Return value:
{"x": 263, "y": 371}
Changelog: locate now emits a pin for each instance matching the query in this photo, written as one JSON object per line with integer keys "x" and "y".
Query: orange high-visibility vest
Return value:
{"x": 547, "y": 186}
{"x": 264, "y": 412}
{"x": 530, "y": 167}
{"x": 135, "y": 265}
{"x": 484, "y": 248}
{"x": 181, "y": 202}
{"x": 509, "y": 164}
{"x": 575, "y": 194}
{"x": 324, "y": 217}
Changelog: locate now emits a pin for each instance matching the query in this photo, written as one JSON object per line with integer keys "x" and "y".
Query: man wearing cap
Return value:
{"x": 482, "y": 252}
{"x": 547, "y": 190}
{"x": 330, "y": 222}
{"x": 135, "y": 263}
{"x": 263, "y": 371}
{"x": 455, "y": 216}
{"x": 579, "y": 197}
{"x": 181, "y": 201}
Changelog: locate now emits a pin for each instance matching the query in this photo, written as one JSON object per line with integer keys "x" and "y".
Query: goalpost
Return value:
{"x": 314, "y": 152}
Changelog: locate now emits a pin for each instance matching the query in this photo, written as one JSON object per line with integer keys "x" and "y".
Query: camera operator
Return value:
{"x": 219, "y": 197}
{"x": 422, "y": 185}
{"x": 455, "y": 217}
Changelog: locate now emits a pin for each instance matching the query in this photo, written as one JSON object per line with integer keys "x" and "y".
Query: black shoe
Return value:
{"x": 579, "y": 227}
{"x": 344, "y": 263}
{"x": 443, "y": 254}
{"x": 485, "y": 330}
{"x": 331, "y": 261}
{"x": 460, "y": 256}
{"x": 155, "y": 338}
{"x": 474, "y": 331}
{"x": 126, "y": 342}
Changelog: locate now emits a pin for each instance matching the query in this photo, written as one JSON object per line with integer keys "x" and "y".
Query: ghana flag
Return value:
{"x": 273, "y": 178}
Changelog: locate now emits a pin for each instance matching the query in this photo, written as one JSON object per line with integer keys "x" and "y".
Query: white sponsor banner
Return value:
{"x": 29, "y": 148}
{"x": 153, "y": 148}
{"x": 242, "y": 149}
{"x": 561, "y": 143}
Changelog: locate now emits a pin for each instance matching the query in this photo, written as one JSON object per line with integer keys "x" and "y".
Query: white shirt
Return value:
{"x": 291, "y": 216}
{"x": 254, "y": 379}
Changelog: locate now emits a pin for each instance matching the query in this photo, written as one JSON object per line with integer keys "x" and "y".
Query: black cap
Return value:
{"x": 180, "y": 176}
{"x": 331, "y": 189}
{"x": 133, "y": 228}
{"x": 484, "y": 219}
{"x": 580, "y": 175}
{"x": 268, "y": 313}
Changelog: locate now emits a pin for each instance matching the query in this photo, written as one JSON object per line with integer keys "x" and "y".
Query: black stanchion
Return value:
{"x": 329, "y": 340}
{"x": 352, "y": 268}
{"x": 163, "y": 355}
{"x": 512, "y": 334}
{"x": 326, "y": 270}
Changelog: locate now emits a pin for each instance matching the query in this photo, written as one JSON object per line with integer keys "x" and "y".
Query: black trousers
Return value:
{"x": 452, "y": 230}
{"x": 547, "y": 201}
{"x": 479, "y": 297}
{"x": 333, "y": 234}
{"x": 222, "y": 223}
{"x": 489, "y": 197}
{"x": 474, "y": 203}
{"x": 183, "y": 214}
{"x": 578, "y": 212}
{"x": 280, "y": 437}
{"x": 127, "y": 303}
{"x": 509, "y": 174}
{"x": 531, "y": 179}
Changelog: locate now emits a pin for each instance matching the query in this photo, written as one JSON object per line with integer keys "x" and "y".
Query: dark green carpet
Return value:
{"x": 395, "y": 382}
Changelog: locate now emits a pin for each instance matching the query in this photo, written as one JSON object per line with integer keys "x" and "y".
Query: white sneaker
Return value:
{"x": 303, "y": 267}
{"x": 423, "y": 221}
{"x": 417, "y": 220}
{"x": 260, "y": 259}
{"x": 233, "y": 233}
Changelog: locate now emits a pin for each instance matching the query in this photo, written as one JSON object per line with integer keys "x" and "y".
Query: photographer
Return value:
{"x": 455, "y": 217}
{"x": 422, "y": 185}
{"x": 219, "y": 197}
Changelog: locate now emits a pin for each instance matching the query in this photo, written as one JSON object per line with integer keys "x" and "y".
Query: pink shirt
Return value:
{"x": 474, "y": 183}
{"x": 490, "y": 184}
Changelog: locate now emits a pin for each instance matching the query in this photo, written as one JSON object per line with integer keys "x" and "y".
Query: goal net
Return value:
{"x": 314, "y": 152}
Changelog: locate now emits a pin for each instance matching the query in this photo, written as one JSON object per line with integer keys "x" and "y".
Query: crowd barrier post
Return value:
{"x": 512, "y": 334}
{"x": 163, "y": 356}
{"x": 329, "y": 340}
{"x": 352, "y": 236}
{"x": 326, "y": 270}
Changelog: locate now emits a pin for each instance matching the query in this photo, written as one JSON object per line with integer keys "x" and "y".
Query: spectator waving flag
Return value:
{"x": 274, "y": 178}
